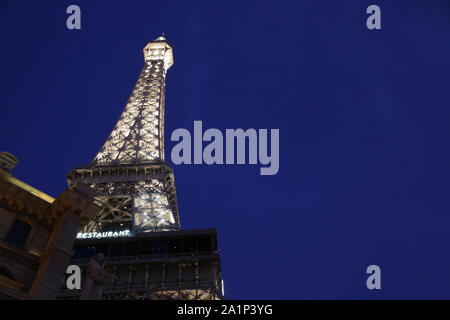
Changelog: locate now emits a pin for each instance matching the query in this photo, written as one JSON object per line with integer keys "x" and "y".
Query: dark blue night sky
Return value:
{"x": 363, "y": 116}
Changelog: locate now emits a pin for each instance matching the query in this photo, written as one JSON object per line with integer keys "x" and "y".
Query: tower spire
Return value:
{"x": 131, "y": 179}
{"x": 139, "y": 134}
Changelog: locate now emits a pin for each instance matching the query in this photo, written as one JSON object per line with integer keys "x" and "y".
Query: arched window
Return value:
{"x": 19, "y": 233}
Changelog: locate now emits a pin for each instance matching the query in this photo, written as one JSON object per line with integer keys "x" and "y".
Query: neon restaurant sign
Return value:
{"x": 101, "y": 235}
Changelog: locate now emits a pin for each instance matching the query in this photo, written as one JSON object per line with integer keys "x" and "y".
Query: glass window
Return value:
{"x": 204, "y": 243}
{"x": 19, "y": 232}
{"x": 131, "y": 249}
{"x": 174, "y": 246}
{"x": 189, "y": 245}
{"x": 117, "y": 249}
{"x": 146, "y": 248}
{"x": 160, "y": 246}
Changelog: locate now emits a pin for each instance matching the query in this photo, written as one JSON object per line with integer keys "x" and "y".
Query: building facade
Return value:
{"x": 37, "y": 233}
{"x": 138, "y": 229}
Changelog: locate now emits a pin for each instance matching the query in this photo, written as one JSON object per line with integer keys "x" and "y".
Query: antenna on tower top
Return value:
{"x": 161, "y": 38}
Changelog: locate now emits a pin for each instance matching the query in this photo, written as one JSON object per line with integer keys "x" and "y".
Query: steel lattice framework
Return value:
{"x": 132, "y": 182}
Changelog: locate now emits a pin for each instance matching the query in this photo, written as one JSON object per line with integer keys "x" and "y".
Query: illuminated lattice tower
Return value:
{"x": 133, "y": 183}
{"x": 135, "y": 189}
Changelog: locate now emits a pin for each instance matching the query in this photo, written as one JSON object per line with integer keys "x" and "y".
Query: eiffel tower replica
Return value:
{"x": 138, "y": 229}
